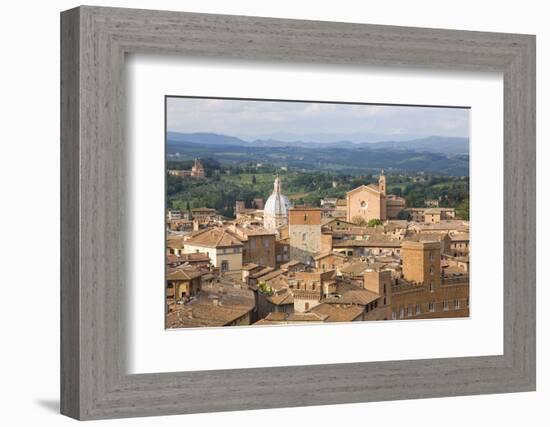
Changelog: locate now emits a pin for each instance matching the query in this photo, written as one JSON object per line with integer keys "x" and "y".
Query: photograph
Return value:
{"x": 283, "y": 212}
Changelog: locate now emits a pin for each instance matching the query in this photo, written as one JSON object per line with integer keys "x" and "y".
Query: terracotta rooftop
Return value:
{"x": 337, "y": 313}
{"x": 215, "y": 237}
{"x": 217, "y": 305}
{"x": 460, "y": 236}
{"x": 258, "y": 274}
{"x": 291, "y": 263}
{"x": 250, "y": 266}
{"x": 174, "y": 241}
{"x": 373, "y": 243}
{"x": 281, "y": 298}
{"x": 328, "y": 253}
{"x": 183, "y": 274}
{"x": 354, "y": 268}
{"x": 285, "y": 318}
{"x": 348, "y": 293}
{"x": 190, "y": 258}
{"x": 271, "y": 275}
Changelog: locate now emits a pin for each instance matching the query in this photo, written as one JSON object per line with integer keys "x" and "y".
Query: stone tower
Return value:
{"x": 382, "y": 183}
{"x": 304, "y": 230}
{"x": 422, "y": 262}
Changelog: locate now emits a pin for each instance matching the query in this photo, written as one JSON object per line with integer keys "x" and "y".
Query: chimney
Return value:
{"x": 195, "y": 225}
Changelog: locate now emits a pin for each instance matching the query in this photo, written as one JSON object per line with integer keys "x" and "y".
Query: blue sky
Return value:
{"x": 319, "y": 122}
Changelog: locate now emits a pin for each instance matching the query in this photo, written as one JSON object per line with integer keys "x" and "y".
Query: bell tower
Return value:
{"x": 382, "y": 183}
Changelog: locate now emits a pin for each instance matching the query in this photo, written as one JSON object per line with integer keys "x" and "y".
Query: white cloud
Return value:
{"x": 251, "y": 119}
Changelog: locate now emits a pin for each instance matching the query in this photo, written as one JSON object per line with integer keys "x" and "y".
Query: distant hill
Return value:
{"x": 204, "y": 138}
{"x": 343, "y": 158}
{"x": 432, "y": 144}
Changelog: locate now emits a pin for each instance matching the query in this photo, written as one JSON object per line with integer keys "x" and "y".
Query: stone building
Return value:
{"x": 258, "y": 203}
{"x": 430, "y": 215}
{"x": 204, "y": 214}
{"x": 329, "y": 260}
{"x": 371, "y": 202}
{"x": 276, "y": 208}
{"x": 424, "y": 291}
{"x": 240, "y": 206}
{"x": 394, "y": 206}
{"x": 224, "y": 249}
{"x": 183, "y": 283}
{"x": 282, "y": 251}
{"x": 304, "y": 229}
{"x": 460, "y": 244}
{"x": 197, "y": 170}
{"x": 258, "y": 244}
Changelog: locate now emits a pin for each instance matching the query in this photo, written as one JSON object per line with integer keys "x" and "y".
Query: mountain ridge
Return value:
{"x": 433, "y": 144}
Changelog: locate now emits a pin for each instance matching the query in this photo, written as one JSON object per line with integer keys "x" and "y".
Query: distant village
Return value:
{"x": 347, "y": 260}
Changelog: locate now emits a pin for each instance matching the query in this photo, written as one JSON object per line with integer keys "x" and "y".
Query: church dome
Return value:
{"x": 277, "y": 204}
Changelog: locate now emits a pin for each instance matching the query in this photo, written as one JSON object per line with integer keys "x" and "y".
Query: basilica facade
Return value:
{"x": 371, "y": 202}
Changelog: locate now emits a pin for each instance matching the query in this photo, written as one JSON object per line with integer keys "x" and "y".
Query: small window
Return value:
{"x": 394, "y": 315}
{"x": 225, "y": 266}
{"x": 457, "y": 304}
{"x": 445, "y": 305}
{"x": 432, "y": 287}
{"x": 409, "y": 311}
{"x": 431, "y": 307}
{"x": 307, "y": 306}
{"x": 401, "y": 313}
{"x": 418, "y": 310}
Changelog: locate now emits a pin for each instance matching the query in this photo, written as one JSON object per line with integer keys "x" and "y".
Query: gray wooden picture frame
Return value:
{"x": 94, "y": 381}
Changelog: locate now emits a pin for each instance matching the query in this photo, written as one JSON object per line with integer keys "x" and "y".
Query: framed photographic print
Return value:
{"x": 314, "y": 212}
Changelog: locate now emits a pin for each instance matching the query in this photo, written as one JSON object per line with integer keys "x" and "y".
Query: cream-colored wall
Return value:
{"x": 300, "y": 304}
{"x": 235, "y": 260}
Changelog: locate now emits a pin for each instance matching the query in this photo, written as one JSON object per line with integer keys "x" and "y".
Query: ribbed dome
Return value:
{"x": 277, "y": 204}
